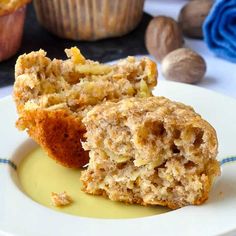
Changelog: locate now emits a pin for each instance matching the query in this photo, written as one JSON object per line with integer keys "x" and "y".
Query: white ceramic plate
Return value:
{"x": 19, "y": 215}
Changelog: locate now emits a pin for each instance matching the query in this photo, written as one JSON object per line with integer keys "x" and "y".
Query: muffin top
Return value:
{"x": 9, "y": 6}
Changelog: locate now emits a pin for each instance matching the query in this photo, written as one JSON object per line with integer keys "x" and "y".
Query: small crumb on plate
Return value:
{"x": 61, "y": 199}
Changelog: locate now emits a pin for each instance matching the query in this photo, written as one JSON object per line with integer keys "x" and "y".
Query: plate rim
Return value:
{"x": 7, "y": 172}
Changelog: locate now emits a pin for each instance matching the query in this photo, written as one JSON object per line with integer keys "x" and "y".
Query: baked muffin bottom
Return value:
{"x": 52, "y": 97}
{"x": 149, "y": 151}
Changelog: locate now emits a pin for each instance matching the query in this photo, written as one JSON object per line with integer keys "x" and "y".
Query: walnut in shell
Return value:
{"x": 192, "y": 16}
{"x": 184, "y": 65}
{"x": 163, "y": 35}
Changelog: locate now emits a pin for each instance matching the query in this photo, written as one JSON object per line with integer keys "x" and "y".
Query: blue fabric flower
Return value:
{"x": 219, "y": 29}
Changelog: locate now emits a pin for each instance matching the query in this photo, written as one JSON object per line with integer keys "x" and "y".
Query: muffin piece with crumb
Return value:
{"x": 149, "y": 151}
{"x": 52, "y": 97}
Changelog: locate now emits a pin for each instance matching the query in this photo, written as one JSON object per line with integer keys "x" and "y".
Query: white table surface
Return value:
{"x": 221, "y": 74}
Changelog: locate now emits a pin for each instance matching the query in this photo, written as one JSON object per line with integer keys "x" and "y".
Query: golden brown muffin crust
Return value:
{"x": 9, "y": 6}
{"x": 55, "y": 131}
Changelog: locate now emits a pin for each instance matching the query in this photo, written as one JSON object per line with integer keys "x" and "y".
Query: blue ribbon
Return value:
{"x": 219, "y": 29}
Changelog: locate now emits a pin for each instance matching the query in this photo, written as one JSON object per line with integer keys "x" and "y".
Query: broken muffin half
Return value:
{"x": 53, "y": 96}
{"x": 149, "y": 151}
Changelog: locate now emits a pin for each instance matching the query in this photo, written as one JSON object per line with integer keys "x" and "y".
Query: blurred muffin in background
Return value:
{"x": 89, "y": 19}
{"x": 12, "y": 17}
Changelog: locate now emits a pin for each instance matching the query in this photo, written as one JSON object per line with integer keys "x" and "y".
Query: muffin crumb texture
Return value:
{"x": 52, "y": 96}
{"x": 149, "y": 151}
{"x": 61, "y": 199}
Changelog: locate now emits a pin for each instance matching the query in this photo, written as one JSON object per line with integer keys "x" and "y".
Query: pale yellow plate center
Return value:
{"x": 40, "y": 175}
